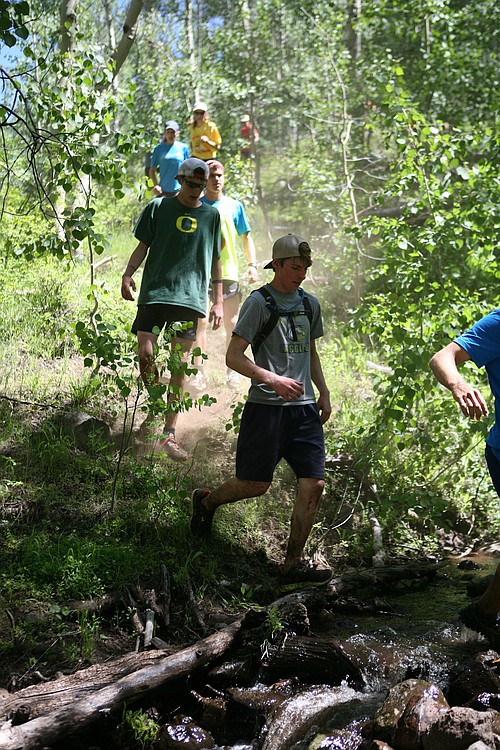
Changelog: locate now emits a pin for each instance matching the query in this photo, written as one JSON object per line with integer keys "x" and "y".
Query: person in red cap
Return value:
{"x": 249, "y": 136}
{"x": 282, "y": 417}
{"x": 205, "y": 136}
{"x": 180, "y": 238}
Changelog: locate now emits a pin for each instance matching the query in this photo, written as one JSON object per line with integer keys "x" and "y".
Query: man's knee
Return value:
{"x": 313, "y": 488}
{"x": 258, "y": 488}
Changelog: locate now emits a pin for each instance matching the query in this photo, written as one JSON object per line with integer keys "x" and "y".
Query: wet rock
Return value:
{"x": 477, "y": 677}
{"x": 296, "y": 715}
{"x": 468, "y": 565}
{"x": 422, "y": 710}
{"x": 460, "y": 727}
{"x": 233, "y": 672}
{"x": 479, "y": 745}
{"x": 411, "y": 706}
{"x": 348, "y": 738}
{"x": 485, "y": 702}
{"x": 183, "y": 733}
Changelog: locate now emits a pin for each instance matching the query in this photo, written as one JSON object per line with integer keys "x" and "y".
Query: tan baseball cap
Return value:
{"x": 290, "y": 246}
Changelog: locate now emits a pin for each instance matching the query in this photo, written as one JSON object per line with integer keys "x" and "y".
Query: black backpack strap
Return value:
{"x": 274, "y": 316}
{"x": 307, "y": 308}
{"x": 270, "y": 322}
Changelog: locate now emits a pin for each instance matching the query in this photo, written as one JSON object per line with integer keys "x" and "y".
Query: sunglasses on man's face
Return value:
{"x": 199, "y": 112}
{"x": 195, "y": 185}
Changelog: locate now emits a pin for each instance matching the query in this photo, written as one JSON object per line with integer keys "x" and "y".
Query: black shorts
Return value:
{"x": 229, "y": 289}
{"x": 158, "y": 316}
{"x": 270, "y": 433}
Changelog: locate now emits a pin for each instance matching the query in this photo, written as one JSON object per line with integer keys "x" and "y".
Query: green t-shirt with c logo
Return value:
{"x": 182, "y": 244}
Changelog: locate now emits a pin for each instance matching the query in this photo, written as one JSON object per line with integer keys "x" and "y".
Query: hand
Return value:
{"x": 470, "y": 400}
{"x": 128, "y": 284}
{"x": 216, "y": 315}
{"x": 288, "y": 388}
{"x": 324, "y": 407}
{"x": 204, "y": 138}
{"x": 157, "y": 190}
{"x": 252, "y": 274}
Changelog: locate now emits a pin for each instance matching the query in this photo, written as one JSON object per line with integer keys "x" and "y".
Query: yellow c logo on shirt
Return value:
{"x": 186, "y": 224}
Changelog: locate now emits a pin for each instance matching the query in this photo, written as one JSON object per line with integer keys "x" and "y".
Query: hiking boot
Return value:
{"x": 201, "y": 517}
{"x": 302, "y": 575}
{"x": 488, "y": 625}
{"x": 168, "y": 445}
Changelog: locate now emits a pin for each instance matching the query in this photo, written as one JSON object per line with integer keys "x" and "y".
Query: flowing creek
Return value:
{"x": 412, "y": 633}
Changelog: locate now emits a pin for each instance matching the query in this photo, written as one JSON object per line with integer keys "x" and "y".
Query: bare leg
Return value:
{"x": 201, "y": 340}
{"x": 303, "y": 517}
{"x": 201, "y": 337}
{"x": 233, "y": 490}
{"x": 177, "y": 381}
{"x": 489, "y": 603}
{"x": 145, "y": 349}
{"x": 231, "y": 306}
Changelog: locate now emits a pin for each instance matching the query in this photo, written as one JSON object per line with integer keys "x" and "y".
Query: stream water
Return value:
{"x": 418, "y": 635}
{"x": 413, "y": 632}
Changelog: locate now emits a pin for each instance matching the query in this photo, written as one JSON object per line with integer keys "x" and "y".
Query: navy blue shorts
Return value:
{"x": 270, "y": 433}
{"x": 151, "y": 316}
{"x": 493, "y": 467}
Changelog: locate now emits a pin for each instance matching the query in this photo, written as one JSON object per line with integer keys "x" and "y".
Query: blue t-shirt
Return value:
{"x": 169, "y": 157}
{"x": 482, "y": 344}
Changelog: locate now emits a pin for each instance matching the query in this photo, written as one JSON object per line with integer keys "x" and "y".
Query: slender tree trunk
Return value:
{"x": 191, "y": 49}
{"x": 68, "y": 19}
{"x": 129, "y": 33}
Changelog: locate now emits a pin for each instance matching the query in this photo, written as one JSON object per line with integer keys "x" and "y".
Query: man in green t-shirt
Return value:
{"x": 181, "y": 237}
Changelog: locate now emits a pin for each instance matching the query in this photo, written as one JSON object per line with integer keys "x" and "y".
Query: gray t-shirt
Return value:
{"x": 287, "y": 349}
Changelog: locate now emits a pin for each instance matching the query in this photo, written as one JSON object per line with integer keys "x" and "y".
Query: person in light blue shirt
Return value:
{"x": 481, "y": 345}
{"x": 167, "y": 158}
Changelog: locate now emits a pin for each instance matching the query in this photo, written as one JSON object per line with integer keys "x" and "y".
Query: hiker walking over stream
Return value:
{"x": 282, "y": 417}
{"x": 481, "y": 344}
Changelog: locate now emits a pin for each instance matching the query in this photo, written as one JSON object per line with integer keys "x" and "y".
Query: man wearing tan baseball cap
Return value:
{"x": 282, "y": 417}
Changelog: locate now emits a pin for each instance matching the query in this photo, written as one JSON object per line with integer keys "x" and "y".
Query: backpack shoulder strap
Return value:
{"x": 307, "y": 307}
{"x": 270, "y": 322}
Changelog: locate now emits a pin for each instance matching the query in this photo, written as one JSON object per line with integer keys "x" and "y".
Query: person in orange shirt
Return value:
{"x": 205, "y": 136}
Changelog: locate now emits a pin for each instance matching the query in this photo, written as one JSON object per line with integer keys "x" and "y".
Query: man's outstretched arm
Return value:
{"x": 444, "y": 364}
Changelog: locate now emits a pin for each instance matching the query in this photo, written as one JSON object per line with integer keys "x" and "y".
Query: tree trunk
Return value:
{"x": 129, "y": 33}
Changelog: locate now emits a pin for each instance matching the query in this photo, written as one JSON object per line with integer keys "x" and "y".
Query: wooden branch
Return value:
{"x": 81, "y": 701}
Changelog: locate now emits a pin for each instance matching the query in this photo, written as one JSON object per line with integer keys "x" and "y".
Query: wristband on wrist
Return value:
{"x": 216, "y": 281}
{"x": 252, "y": 265}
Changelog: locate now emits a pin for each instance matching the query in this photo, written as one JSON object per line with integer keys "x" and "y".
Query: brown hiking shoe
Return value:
{"x": 201, "y": 517}
{"x": 170, "y": 447}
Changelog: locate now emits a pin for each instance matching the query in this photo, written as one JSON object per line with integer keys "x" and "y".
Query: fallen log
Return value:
{"x": 80, "y": 702}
